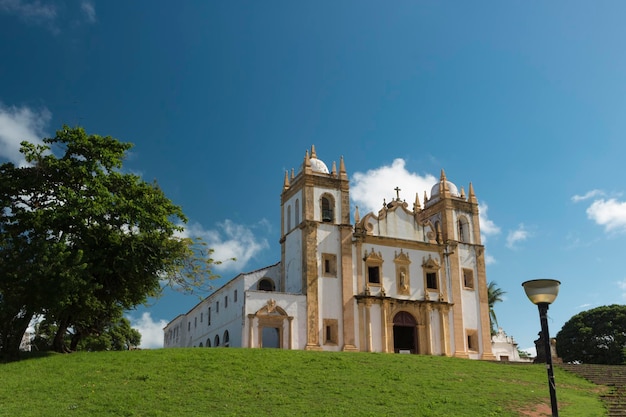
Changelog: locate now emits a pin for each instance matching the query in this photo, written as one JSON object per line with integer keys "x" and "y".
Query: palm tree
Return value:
{"x": 494, "y": 295}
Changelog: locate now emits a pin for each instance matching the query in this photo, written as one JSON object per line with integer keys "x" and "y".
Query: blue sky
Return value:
{"x": 527, "y": 100}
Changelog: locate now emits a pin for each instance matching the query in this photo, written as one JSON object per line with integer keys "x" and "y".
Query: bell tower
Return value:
{"x": 455, "y": 218}
{"x": 316, "y": 252}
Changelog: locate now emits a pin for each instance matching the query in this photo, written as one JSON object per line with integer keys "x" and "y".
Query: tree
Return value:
{"x": 115, "y": 335}
{"x": 494, "y": 295}
{"x": 81, "y": 241}
{"x": 594, "y": 336}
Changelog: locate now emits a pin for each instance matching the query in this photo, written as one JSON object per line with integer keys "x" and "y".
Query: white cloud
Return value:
{"x": 20, "y": 124}
{"x": 50, "y": 16}
{"x": 515, "y": 236}
{"x": 230, "y": 240}
{"x": 487, "y": 226}
{"x": 588, "y": 195}
{"x": 368, "y": 189}
{"x": 151, "y": 331}
{"x": 35, "y": 10}
{"x": 89, "y": 10}
{"x": 608, "y": 213}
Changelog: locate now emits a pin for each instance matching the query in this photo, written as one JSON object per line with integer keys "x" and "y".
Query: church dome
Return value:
{"x": 434, "y": 192}
{"x": 317, "y": 165}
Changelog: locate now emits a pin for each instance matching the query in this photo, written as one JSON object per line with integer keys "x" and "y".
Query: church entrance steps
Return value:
{"x": 612, "y": 376}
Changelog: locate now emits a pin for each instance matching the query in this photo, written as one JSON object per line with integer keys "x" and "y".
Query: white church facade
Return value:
{"x": 404, "y": 280}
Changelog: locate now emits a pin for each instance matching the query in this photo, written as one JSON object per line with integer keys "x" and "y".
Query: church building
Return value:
{"x": 408, "y": 279}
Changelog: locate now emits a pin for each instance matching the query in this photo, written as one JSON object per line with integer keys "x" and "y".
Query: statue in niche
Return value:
{"x": 404, "y": 284}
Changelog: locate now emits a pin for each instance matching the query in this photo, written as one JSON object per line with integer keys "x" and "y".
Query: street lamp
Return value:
{"x": 543, "y": 292}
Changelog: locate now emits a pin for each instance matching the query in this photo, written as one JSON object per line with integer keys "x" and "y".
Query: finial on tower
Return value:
{"x": 313, "y": 154}
{"x": 286, "y": 182}
{"x": 307, "y": 162}
{"x": 443, "y": 185}
{"x": 342, "y": 169}
{"x": 416, "y": 205}
{"x": 472, "y": 196}
{"x": 425, "y": 197}
{"x": 357, "y": 216}
{"x": 334, "y": 170}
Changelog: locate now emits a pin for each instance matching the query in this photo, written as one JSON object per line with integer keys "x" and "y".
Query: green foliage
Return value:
{"x": 594, "y": 336}
{"x": 271, "y": 382}
{"x": 494, "y": 295}
{"x": 523, "y": 354}
{"x": 115, "y": 335}
{"x": 80, "y": 240}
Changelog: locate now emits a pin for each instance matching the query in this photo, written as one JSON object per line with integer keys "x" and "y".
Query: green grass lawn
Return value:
{"x": 267, "y": 382}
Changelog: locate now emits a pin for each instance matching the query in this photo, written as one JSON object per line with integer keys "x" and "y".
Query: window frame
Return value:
{"x": 432, "y": 276}
{"x": 471, "y": 336}
{"x": 330, "y": 332}
{"x": 327, "y": 208}
{"x": 374, "y": 261}
{"x": 329, "y": 259}
{"x": 468, "y": 279}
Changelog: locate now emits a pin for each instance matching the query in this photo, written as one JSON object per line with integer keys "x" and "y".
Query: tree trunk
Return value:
{"x": 12, "y": 331}
{"x": 76, "y": 337}
{"x": 58, "y": 344}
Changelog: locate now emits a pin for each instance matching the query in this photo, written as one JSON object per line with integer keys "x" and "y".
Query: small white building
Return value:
{"x": 409, "y": 280}
{"x": 504, "y": 348}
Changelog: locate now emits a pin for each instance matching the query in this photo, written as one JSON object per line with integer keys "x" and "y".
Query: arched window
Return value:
{"x": 216, "y": 341}
{"x": 328, "y": 208}
{"x": 266, "y": 284}
{"x": 200, "y": 345}
{"x": 439, "y": 237}
{"x": 297, "y": 210}
{"x": 464, "y": 232}
{"x": 288, "y": 218}
{"x": 226, "y": 339}
{"x": 208, "y": 342}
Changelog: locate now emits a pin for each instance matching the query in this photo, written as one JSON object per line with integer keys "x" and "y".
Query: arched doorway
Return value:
{"x": 270, "y": 337}
{"x": 404, "y": 333}
{"x": 270, "y": 327}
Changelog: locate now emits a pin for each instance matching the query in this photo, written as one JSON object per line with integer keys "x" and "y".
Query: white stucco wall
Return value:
{"x": 435, "y": 333}
{"x": 469, "y": 297}
{"x": 226, "y": 317}
{"x": 194, "y": 326}
{"x": 175, "y": 332}
{"x": 398, "y": 224}
{"x": 416, "y": 271}
{"x": 296, "y": 212}
{"x": 293, "y": 262}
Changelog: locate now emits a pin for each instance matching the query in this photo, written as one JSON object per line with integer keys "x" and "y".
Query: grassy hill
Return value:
{"x": 265, "y": 382}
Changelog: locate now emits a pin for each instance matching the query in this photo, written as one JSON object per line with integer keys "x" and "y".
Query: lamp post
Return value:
{"x": 543, "y": 292}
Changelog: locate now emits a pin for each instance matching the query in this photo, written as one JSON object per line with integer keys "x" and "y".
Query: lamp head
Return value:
{"x": 541, "y": 291}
